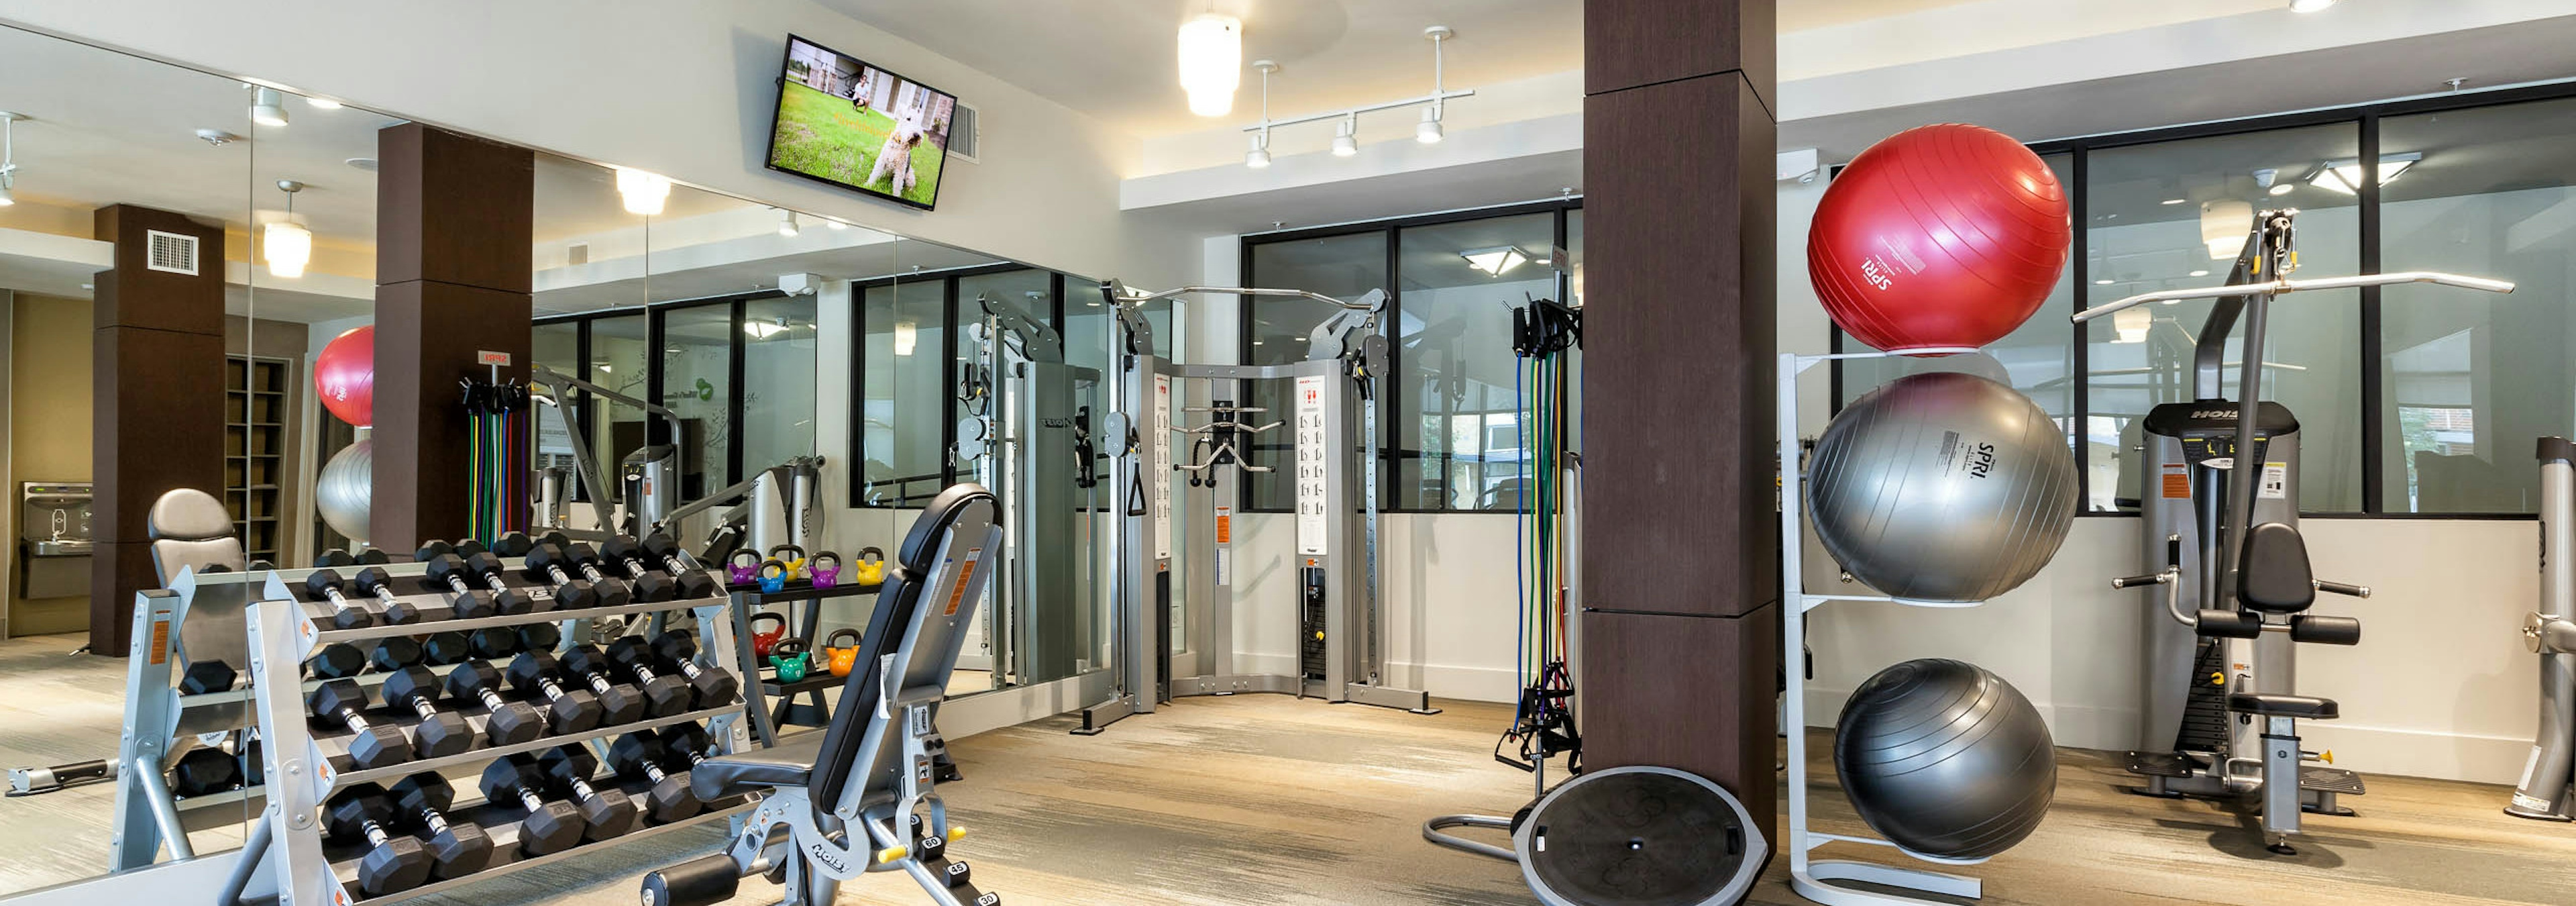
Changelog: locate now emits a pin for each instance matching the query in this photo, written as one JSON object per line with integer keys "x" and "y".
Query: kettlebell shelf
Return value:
{"x": 748, "y": 602}
{"x": 1808, "y": 876}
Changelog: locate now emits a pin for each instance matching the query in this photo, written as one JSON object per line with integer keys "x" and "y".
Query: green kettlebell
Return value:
{"x": 790, "y": 659}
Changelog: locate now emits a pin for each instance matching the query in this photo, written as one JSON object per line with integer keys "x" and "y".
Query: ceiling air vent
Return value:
{"x": 961, "y": 133}
{"x": 171, "y": 252}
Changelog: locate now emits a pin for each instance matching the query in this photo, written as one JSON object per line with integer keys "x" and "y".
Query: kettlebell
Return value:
{"x": 870, "y": 570}
{"x": 742, "y": 565}
{"x": 789, "y": 657}
{"x": 824, "y": 568}
{"x": 792, "y": 556}
{"x": 841, "y": 657}
{"x": 764, "y": 640}
{"x": 774, "y": 574}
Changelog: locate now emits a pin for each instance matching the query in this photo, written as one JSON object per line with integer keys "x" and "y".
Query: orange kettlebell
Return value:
{"x": 841, "y": 657}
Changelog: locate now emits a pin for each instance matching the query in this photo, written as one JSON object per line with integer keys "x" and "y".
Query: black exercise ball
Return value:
{"x": 1945, "y": 759}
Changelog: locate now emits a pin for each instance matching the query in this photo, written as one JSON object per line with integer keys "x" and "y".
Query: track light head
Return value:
{"x": 1346, "y": 140}
{"x": 1428, "y": 131}
{"x": 1259, "y": 156}
{"x": 267, "y": 107}
{"x": 787, "y": 225}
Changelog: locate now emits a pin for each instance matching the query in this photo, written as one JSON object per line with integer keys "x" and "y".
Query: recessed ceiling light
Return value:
{"x": 1494, "y": 261}
{"x": 2102, "y": 282}
{"x": 363, "y": 163}
{"x": 321, "y": 103}
{"x": 2282, "y": 188}
{"x": 2200, "y": 273}
{"x": 2174, "y": 201}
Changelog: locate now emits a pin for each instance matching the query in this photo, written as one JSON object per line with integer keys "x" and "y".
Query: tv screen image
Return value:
{"x": 845, "y": 122}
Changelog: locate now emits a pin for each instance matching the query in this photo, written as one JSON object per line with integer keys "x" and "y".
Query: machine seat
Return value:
{"x": 791, "y": 764}
{"x": 2269, "y": 705}
{"x": 2272, "y": 573}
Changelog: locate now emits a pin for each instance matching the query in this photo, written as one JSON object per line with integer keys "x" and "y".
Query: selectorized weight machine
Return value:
{"x": 1026, "y": 438}
{"x": 2548, "y": 783}
{"x": 1333, "y": 416}
{"x": 781, "y": 504}
{"x": 2220, "y": 719}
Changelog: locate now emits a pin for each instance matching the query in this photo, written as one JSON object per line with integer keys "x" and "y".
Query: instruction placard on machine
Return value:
{"x": 1160, "y": 427}
{"x": 1311, "y": 464}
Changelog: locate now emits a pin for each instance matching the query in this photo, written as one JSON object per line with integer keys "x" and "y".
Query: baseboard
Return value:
{"x": 1475, "y": 684}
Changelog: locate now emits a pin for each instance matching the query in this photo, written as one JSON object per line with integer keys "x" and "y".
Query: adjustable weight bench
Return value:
{"x": 846, "y": 801}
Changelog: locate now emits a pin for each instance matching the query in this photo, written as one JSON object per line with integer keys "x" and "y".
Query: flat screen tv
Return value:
{"x": 847, "y": 123}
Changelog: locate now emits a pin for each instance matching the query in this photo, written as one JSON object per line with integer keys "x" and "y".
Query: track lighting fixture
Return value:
{"x": 1346, "y": 140}
{"x": 267, "y": 106}
{"x": 787, "y": 225}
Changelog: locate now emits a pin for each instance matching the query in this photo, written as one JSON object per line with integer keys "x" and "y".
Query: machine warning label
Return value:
{"x": 2276, "y": 481}
{"x": 2177, "y": 482}
{"x": 160, "y": 642}
{"x": 1225, "y": 525}
{"x": 965, "y": 577}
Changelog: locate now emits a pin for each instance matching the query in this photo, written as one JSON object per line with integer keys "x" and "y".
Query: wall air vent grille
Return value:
{"x": 171, "y": 252}
{"x": 961, "y": 133}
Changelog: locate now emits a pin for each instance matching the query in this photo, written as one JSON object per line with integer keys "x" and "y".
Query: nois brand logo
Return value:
{"x": 1981, "y": 460}
{"x": 2213, "y": 413}
{"x": 826, "y": 856}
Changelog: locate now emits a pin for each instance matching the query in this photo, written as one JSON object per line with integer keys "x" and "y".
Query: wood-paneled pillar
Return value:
{"x": 454, "y": 216}
{"x": 1681, "y": 621}
{"x": 157, "y": 397}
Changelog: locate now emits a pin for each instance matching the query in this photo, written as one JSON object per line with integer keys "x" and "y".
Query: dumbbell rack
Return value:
{"x": 304, "y": 762}
{"x": 1807, "y": 876}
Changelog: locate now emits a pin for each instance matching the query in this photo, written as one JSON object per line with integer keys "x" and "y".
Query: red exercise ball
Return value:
{"x": 1944, "y": 235}
{"x": 344, "y": 376}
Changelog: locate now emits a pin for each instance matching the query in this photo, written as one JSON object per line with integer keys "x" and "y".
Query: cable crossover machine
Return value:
{"x": 1333, "y": 421}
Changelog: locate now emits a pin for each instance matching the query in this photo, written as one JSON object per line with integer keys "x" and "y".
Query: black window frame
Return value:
{"x": 858, "y": 355}
{"x": 2365, "y": 118}
{"x": 657, "y": 430}
{"x": 1389, "y": 411}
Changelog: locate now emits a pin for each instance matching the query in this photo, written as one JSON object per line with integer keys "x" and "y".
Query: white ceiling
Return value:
{"x": 1115, "y": 60}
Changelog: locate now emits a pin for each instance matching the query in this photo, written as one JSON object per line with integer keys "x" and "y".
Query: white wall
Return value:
{"x": 679, "y": 87}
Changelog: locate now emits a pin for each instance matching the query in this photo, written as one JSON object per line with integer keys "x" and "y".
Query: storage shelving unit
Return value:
{"x": 256, "y": 392}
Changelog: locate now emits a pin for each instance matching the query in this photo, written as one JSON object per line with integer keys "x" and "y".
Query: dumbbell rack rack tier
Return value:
{"x": 286, "y": 857}
{"x": 302, "y": 766}
{"x": 1807, "y": 876}
{"x": 761, "y": 684}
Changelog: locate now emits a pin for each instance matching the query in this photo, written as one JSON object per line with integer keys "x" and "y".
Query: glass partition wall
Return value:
{"x": 2410, "y": 399}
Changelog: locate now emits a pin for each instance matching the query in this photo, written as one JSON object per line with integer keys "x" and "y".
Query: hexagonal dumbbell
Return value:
{"x": 460, "y": 578}
{"x": 513, "y": 544}
{"x": 394, "y": 862}
{"x": 439, "y": 733}
{"x": 200, "y": 677}
{"x": 549, "y": 826}
{"x": 447, "y": 648}
{"x": 469, "y": 547}
{"x": 505, "y": 722}
{"x": 619, "y": 703}
{"x": 432, "y": 550}
{"x": 203, "y": 771}
{"x": 370, "y": 745}
{"x": 548, "y": 563}
{"x": 714, "y": 685}
{"x": 323, "y": 585}
{"x": 394, "y": 652}
{"x": 456, "y": 848}
{"x": 605, "y": 813}
{"x": 533, "y": 674}
{"x": 650, "y": 584}
{"x": 338, "y": 660}
{"x": 639, "y": 756}
{"x": 694, "y": 583}
{"x": 333, "y": 559}
{"x": 663, "y": 695}
{"x": 375, "y": 580}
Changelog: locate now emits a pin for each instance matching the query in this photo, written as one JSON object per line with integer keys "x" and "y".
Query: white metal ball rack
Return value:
{"x": 1807, "y": 875}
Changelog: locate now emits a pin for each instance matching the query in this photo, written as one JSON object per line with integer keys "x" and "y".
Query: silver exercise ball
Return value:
{"x": 346, "y": 487}
{"x": 1942, "y": 487}
{"x": 1945, "y": 759}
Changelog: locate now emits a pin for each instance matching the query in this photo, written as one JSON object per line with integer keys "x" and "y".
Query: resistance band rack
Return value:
{"x": 284, "y": 858}
{"x": 1807, "y": 875}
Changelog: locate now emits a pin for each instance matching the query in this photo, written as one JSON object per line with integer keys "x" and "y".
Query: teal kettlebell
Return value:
{"x": 789, "y": 657}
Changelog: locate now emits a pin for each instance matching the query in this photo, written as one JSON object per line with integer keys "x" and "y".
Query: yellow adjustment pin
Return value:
{"x": 891, "y": 854}
{"x": 956, "y": 832}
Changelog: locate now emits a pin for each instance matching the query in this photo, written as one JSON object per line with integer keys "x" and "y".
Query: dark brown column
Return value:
{"x": 452, "y": 276}
{"x": 157, "y": 410}
{"x": 1681, "y": 621}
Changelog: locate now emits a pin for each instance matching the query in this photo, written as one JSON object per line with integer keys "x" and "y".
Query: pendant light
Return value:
{"x": 287, "y": 245}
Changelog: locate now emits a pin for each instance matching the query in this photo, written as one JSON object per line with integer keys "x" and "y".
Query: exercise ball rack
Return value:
{"x": 1808, "y": 875}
